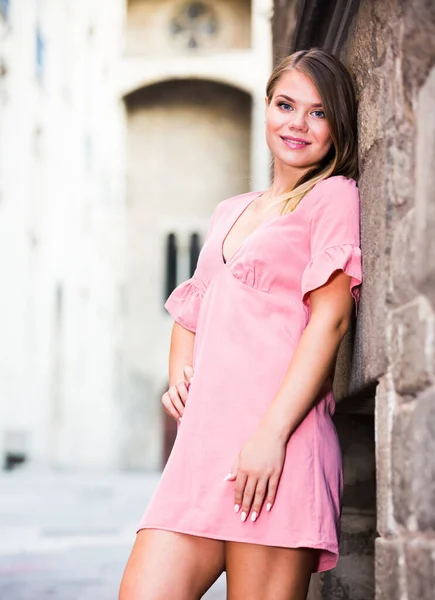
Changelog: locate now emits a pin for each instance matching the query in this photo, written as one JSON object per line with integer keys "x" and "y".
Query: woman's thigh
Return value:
{"x": 167, "y": 565}
{"x": 268, "y": 573}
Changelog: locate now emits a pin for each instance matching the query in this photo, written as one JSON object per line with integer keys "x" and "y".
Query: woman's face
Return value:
{"x": 296, "y": 129}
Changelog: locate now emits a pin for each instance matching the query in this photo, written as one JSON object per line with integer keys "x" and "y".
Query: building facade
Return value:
{"x": 122, "y": 125}
{"x": 386, "y": 420}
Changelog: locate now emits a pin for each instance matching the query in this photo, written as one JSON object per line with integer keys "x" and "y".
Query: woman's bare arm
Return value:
{"x": 258, "y": 468}
{"x": 180, "y": 352}
{"x": 180, "y": 370}
{"x": 314, "y": 357}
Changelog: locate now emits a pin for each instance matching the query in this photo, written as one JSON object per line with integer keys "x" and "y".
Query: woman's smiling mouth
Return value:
{"x": 295, "y": 143}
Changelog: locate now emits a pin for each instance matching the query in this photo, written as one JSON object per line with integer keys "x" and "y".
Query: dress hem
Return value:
{"x": 323, "y": 565}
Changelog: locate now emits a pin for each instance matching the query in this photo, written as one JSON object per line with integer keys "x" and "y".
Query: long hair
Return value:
{"x": 335, "y": 87}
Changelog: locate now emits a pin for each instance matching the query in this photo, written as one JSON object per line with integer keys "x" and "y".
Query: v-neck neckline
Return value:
{"x": 245, "y": 240}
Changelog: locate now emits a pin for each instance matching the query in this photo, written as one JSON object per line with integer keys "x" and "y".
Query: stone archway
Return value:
{"x": 188, "y": 147}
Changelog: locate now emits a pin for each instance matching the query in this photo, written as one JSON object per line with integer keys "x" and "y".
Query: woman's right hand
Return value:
{"x": 175, "y": 398}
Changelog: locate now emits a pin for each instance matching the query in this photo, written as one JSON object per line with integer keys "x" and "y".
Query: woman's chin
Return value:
{"x": 294, "y": 162}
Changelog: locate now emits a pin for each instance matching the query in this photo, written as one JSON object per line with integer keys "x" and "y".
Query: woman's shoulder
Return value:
{"x": 338, "y": 191}
{"x": 232, "y": 203}
{"x": 337, "y": 185}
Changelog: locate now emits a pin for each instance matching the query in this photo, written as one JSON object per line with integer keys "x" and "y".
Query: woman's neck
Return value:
{"x": 285, "y": 178}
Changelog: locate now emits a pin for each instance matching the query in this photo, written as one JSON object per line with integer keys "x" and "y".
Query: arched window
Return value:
{"x": 171, "y": 264}
{"x": 194, "y": 249}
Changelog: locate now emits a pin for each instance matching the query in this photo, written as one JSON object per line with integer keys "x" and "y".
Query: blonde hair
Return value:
{"x": 335, "y": 87}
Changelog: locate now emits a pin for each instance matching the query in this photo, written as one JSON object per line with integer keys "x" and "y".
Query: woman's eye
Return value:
{"x": 319, "y": 113}
{"x": 284, "y": 105}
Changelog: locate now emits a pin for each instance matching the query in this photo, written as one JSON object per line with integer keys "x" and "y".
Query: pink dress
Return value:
{"x": 248, "y": 314}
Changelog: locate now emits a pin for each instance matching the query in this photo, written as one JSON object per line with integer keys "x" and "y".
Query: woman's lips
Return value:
{"x": 295, "y": 144}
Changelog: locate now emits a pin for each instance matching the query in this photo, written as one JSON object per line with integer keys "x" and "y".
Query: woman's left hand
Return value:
{"x": 256, "y": 472}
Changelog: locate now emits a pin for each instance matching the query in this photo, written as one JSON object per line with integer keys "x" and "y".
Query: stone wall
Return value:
{"x": 390, "y": 50}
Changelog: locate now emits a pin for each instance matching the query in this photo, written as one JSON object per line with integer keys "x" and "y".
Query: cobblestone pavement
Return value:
{"x": 67, "y": 536}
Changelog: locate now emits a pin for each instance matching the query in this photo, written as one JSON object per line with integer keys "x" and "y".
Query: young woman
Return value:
{"x": 253, "y": 484}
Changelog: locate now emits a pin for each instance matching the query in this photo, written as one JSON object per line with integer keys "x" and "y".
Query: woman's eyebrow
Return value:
{"x": 295, "y": 101}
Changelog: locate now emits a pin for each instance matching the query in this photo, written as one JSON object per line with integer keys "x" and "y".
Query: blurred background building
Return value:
{"x": 122, "y": 125}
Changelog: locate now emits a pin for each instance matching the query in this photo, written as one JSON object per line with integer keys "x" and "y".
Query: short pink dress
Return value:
{"x": 248, "y": 314}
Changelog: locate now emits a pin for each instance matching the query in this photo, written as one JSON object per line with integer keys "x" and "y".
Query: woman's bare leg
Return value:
{"x": 267, "y": 572}
{"x": 164, "y": 565}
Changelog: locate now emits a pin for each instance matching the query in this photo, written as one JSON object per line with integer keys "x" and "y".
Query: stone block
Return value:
{"x": 399, "y": 133}
{"x": 402, "y": 448}
{"x": 411, "y": 354}
{"x": 413, "y": 451}
{"x": 403, "y": 286}
{"x": 425, "y": 190}
{"x": 388, "y": 566}
{"x": 417, "y": 43}
{"x": 386, "y": 401}
{"x": 387, "y": 13}
{"x": 420, "y": 569}
{"x": 364, "y": 62}
{"x": 369, "y": 361}
{"x": 401, "y": 166}
{"x": 424, "y": 460}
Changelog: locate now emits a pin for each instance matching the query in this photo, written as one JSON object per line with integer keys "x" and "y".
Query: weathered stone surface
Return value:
{"x": 400, "y": 139}
{"x": 388, "y": 14}
{"x": 403, "y": 287}
{"x": 353, "y": 578}
{"x": 385, "y": 406}
{"x": 420, "y": 569}
{"x": 399, "y": 132}
{"x": 418, "y": 43}
{"x": 411, "y": 355}
{"x": 425, "y": 190}
{"x": 362, "y": 59}
{"x": 413, "y": 451}
{"x": 388, "y": 569}
{"x": 423, "y": 454}
{"x": 315, "y": 591}
{"x": 402, "y": 448}
{"x": 370, "y": 357}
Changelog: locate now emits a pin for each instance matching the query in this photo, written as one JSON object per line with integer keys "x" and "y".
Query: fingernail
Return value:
{"x": 268, "y": 506}
{"x": 254, "y": 516}
{"x": 243, "y": 516}
{"x": 236, "y": 508}
{"x": 227, "y": 477}
{"x": 179, "y": 420}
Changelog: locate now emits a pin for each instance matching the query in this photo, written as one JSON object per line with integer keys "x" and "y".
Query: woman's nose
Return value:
{"x": 297, "y": 121}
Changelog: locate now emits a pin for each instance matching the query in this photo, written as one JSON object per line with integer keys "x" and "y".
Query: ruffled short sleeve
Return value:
{"x": 334, "y": 236}
{"x": 184, "y": 303}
